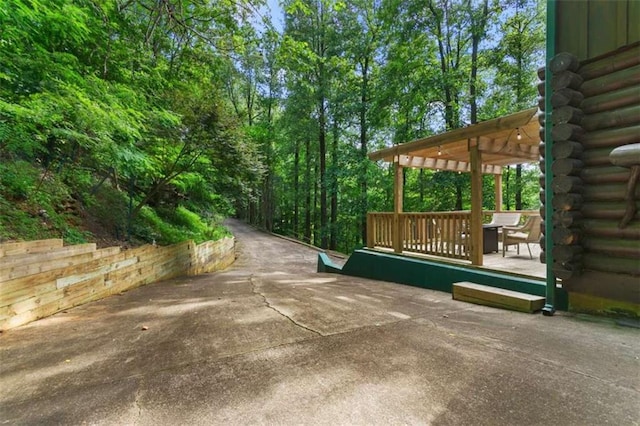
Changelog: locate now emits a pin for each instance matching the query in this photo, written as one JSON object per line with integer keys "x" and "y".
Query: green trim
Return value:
{"x": 551, "y": 289}
{"x": 326, "y": 265}
{"x": 432, "y": 275}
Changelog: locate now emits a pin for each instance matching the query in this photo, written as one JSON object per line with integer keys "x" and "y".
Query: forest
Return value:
{"x": 146, "y": 121}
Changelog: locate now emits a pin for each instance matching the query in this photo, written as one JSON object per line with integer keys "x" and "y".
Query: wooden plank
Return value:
{"x": 70, "y": 280}
{"x": 55, "y": 253}
{"x": 105, "y": 272}
{"x": 572, "y": 28}
{"x": 31, "y": 280}
{"x": 25, "y": 292}
{"x": 633, "y": 17}
{"x": 497, "y": 297}
{"x": 108, "y": 251}
{"x": 84, "y": 288}
{"x": 18, "y": 271}
{"x": 621, "y": 30}
{"x": 29, "y": 316}
{"x": 398, "y": 182}
{"x": 476, "y": 205}
{"x": 35, "y": 302}
{"x": 36, "y": 289}
{"x": 169, "y": 266}
{"x": 23, "y": 247}
{"x": 603, "y": 20}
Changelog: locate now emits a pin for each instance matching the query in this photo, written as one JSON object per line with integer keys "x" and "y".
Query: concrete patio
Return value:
{"x": 269, "y": 341}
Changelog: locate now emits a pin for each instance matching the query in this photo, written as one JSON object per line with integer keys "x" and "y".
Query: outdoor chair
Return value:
{"x": 527, "y": 233}
{"x": 503, "y": 219}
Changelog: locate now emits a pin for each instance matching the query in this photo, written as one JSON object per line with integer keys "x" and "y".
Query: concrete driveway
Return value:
{"x": 269, "y": 341}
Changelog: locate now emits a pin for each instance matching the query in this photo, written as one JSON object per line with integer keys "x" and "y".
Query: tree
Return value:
{"x": 126, "y": 91}
{"x": 516, "y": 59}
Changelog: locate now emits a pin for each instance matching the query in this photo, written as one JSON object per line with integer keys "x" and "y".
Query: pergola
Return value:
{"x": 482, "y": 148}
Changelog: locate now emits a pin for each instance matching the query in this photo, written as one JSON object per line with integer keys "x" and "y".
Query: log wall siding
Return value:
{"x": 592, "y": 28}
{"x": 589, "y": 191}
{"x": 566, "y": 164}
{"x": 40, "y": 278}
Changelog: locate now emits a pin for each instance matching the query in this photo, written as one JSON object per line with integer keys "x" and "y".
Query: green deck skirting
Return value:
{"x": 429, "y": 274}
{"x": 326, "y": 265}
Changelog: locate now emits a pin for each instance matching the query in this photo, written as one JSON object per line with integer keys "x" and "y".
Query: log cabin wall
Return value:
{"x": 596, "y": 109}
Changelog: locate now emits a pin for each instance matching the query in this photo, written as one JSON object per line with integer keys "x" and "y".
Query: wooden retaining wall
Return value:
{"x": 40, "y": 278}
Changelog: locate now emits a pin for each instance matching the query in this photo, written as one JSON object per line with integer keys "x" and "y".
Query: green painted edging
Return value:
{"x": 435, "y": 275}
{"x": 326, "y": 265}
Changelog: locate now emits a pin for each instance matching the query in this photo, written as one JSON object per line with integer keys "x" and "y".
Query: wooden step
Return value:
{"x": 496, "y": 297}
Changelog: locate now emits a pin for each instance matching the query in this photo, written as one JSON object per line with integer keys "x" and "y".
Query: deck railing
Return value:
{"x": 380, "y": 230}
{"x": 444, "y": 234}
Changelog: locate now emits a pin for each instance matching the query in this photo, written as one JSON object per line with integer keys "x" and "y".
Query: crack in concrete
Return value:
{"x": 136, "y": 401}
{"x": 268, "y": 304}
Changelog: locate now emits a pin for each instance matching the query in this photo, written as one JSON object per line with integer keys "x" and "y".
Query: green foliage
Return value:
{"x": 108, "y": 206}
{"x": 154, "y": 122}
{"x": 174, "y": 226}
{"x": 33, "y": 202}
{"x": 17, "y": 180}
{"x": 103, "y": 103}
{"x": 381, "y": 73}
{"x": 75, "y": 236}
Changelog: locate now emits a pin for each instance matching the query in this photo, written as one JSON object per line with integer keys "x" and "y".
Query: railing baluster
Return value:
{"x": 444, "y": 234}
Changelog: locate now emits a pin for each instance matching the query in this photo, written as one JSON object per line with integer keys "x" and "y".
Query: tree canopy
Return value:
{"x": 156, "y": 116}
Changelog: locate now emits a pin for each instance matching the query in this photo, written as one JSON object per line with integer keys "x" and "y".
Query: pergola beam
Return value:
{"x": 524, "y": 151}
{"x": 444, "y": 164}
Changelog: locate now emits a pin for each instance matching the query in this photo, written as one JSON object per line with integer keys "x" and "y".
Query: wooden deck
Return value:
{"x": 517, "y": 263}
{"x": 512, "y": 263}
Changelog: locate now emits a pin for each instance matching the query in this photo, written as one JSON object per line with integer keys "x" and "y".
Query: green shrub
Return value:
{"x": 109, "y": 208}
{"x": 148, "y": 226}
{"x": 74, "y": 236}
{"x": 173, "y": 226}
{"x": 189, "y": 220}
{"x": 17, "y": 180}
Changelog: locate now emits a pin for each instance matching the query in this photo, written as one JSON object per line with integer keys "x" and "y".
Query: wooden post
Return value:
{"x": 476, "y": 204}
{"x": 498, "y": 184}
{"x": 398, "y": 182}
{"x": 370, "y": 234}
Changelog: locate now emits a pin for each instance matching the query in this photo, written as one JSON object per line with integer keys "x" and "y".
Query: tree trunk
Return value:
{"x": 296, "y": 188}
{"x": 322, "y": 124}
{"x": 422, "y": 188}
{"x": 334, "y": 188}
{"x": 363, "y": 150}
{"x": 519, "y": 187}
{"x": 324, "y": 242}
{"x": 507, "y": 182}
{"x": 308, "y": 189}
{"x": 458, "y": 195}
{"x": 477, "y": 32}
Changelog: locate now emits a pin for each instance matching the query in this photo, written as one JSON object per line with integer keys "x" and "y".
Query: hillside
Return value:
{"x": 105, "y": 136}
{"x": 37, "y": 204}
